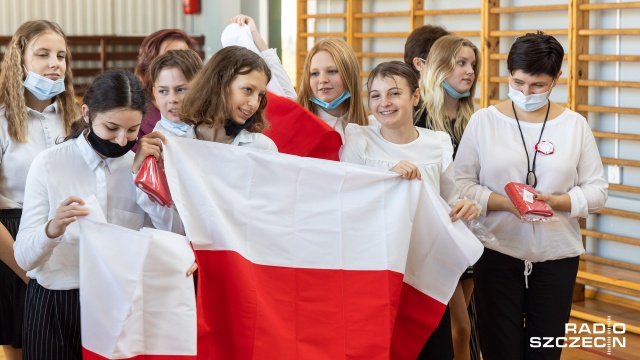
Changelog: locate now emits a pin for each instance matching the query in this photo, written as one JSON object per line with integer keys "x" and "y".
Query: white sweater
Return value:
{"x": 431, "y": 152}
{"x": 491, "y": 154}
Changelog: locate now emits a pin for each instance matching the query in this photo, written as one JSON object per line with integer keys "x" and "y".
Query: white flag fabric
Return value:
{"x": 313, "y": 259}
{"x": 135, "y": 298}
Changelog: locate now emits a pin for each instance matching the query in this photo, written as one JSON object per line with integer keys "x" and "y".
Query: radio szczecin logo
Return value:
{"x": 595, "y": 335}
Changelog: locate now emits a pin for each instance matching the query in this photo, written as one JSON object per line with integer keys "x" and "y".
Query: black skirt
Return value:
{"x": 12, "y": 289}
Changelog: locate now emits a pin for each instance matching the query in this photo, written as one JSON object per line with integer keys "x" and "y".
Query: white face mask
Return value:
{"x": 531, "y": 102}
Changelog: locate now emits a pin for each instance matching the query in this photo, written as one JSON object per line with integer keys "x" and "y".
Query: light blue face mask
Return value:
{"x": 175, "y": 128}
{"x": 452, "y": 92}
{"x": 41, "y": 87}
{"x": 335, "y": 103}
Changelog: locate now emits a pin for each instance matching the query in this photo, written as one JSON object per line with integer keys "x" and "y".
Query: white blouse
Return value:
{"x": 337, "y": 123}
{"x": 254, "y": 140}
{"x": 244, "y": 138}
{"x": 270, "y": 56}
{"x": 491, "y": 154}
{"x": 44, "y": 129}
{"x": 431, "y": 152}
{"x": 74, "y": 168}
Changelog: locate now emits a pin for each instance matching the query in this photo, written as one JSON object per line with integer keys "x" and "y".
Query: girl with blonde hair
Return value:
{"x": 37, "y": 107}
{"x": 448, "y": 87}
{"x": 330, "y": 85}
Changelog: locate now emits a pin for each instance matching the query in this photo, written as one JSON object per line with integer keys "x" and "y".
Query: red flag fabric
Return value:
{"x": 297, "y": 131}
{"x": 303, "y": 258}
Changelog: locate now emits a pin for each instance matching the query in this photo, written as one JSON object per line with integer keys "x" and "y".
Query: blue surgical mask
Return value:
{"x": 41, "y": 87}
{"x": 530, "y": 102}
{"x": 453, "y": 92}
{"x": 335, "y": 103}
{"x": 178, "y": 129}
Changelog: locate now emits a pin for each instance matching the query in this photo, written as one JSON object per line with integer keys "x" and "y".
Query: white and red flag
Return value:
{"x": 304, "y": 258}
{"x": 136, "y": 301}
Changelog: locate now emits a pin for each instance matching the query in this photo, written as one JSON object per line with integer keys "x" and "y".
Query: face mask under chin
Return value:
{"x": 334, "y": 104}
{"x": 42, "y": 87}
{"x": 233, "y": 128}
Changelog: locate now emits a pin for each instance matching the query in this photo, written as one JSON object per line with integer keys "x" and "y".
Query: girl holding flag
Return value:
{"x": 394, "y": 143}
{"x": 226, "y": 102}
{"x": 47, "y": 246}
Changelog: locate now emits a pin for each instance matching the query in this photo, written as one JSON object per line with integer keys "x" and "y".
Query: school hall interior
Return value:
{"x": 600, "y": 80}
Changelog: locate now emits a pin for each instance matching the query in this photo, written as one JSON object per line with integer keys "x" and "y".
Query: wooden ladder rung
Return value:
{"x": 449, "y": 11}
{"x": 610, "y": 83}
{"x": 610, "y": 237}
{"x": 522, "y": 9}
{"x": 609, "y": 109}
{"x": 613, "y": 135}
{"x": 598, "y": 312}
{"x": 610, "y": 6}
{"x": 609, "y": 277}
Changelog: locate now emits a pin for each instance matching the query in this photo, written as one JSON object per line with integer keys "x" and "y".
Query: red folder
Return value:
{"x": 152, "y": 180}
{"x": 521, "y": 195}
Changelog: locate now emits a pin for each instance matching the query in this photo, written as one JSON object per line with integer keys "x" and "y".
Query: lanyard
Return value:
{"x": 531, "y": 178}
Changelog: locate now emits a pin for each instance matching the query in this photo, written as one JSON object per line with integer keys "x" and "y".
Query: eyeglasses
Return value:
{"x": 423, "y": 60}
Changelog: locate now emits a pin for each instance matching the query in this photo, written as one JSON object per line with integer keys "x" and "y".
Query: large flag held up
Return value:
{"x": 137, "y": 302}
{"x": 310, "y": 259}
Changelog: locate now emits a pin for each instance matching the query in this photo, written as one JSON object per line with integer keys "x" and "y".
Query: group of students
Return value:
{"x": 55, "y": 154}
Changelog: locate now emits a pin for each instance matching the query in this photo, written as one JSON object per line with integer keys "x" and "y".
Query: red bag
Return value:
{"x": 152, "y": 180}
{"x": 521, "y": 195}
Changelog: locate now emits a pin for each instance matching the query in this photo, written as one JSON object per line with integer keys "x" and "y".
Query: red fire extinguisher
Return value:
{"x": 191, "y": 6}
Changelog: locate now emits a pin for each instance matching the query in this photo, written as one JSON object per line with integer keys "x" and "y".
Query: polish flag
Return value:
{"x": 136, "y": 300}
{"x": 302, "y": 258}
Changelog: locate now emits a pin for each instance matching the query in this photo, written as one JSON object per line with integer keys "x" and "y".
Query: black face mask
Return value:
{"x": 107, "y": 148}
{"x": 232, "y": 128}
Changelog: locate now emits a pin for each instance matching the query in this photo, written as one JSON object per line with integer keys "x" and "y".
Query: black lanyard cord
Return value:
{"x": 531, "y": 169}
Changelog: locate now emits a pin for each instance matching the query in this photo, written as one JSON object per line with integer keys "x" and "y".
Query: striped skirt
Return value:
{"x": 51, "y": 324}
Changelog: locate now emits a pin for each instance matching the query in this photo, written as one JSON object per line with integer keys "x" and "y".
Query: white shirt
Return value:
{"x": 44, "y": 129}
{"x": 278, "y": 74}
{"x": 74, "y": 168}
{"x": 491, "y": 154}
{"x": 337, "y": 123}
{"x": 254, "y": 140}
{"x": 431, "y": 152}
